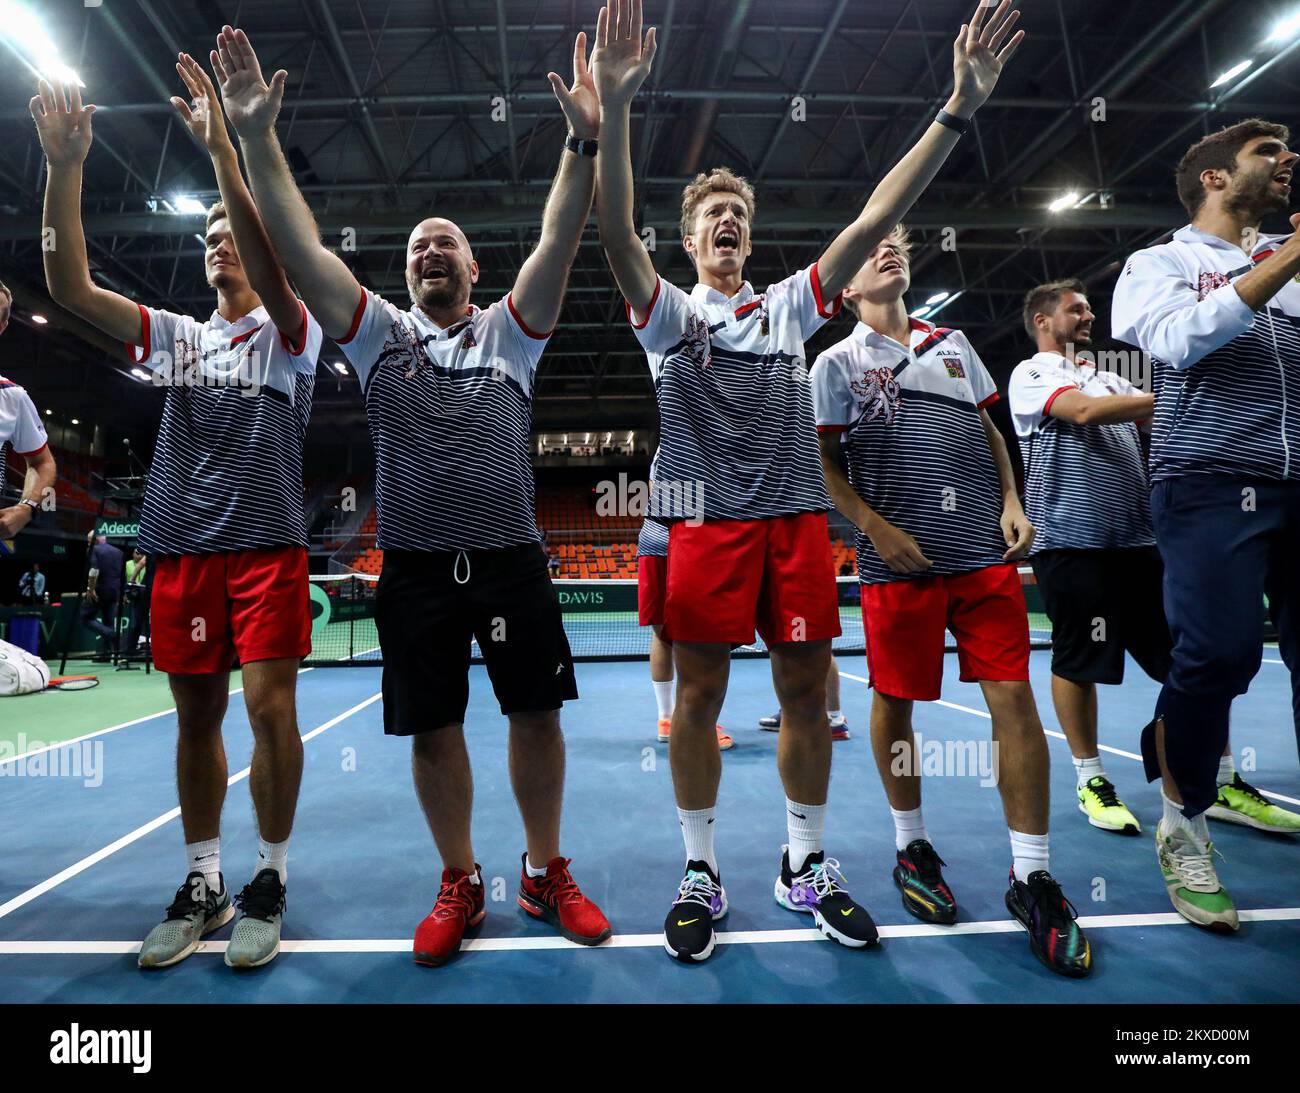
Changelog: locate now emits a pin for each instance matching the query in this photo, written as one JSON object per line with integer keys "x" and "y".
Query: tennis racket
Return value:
{"x": 73, "y": 683}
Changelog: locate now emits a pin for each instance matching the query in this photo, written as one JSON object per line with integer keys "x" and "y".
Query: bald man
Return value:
{"x": 448, "y": 391}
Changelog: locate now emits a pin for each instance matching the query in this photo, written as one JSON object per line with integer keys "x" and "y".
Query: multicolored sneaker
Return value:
{"x": 460, "y": 905}
{"x": 1241, "y": 803}
{"x": 1191, "y": 881}
{"x": 701, "y": 901}
{"x": 926, "y": 894}
{"x": 1054, "y": 935}
{"x": 256, "y": 938}
{"x": 839, "y": 727}
{"x": 818, "y": 890}
{"x": 193, "y": 914}
{"x": 557, "y": 899}
{"x": 1101, "y": 804}
{"x": 772, "y": 723}
{"x": 725, "y": 742}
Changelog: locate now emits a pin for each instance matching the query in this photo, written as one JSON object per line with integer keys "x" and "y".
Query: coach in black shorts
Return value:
{"x": 1095, "y": 557}
{"x": 448, "y": 391}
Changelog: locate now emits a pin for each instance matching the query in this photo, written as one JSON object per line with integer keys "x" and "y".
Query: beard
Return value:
{"x": 1255, "y": 198}
{"x": 453, "y": 289}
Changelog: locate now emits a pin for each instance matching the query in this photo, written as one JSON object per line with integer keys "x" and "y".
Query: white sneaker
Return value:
{"x": 1190, "y": 879}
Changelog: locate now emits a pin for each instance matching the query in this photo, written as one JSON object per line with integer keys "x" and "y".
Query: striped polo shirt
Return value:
{"x": 736, "y": 432}
{"x": 1085, "y": 485}
{"x": 227, "y": 468}
{"x": 1227, "y": 379}
{"x": 450, "y": 412}
{"x": 915, "y": 443}
{"x": 20, "y": 424}
{"x": 652, "y": 540}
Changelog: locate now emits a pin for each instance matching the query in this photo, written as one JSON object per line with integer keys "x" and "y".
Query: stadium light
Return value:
{"x": 1232, "y": 73}
{"x": 49, "y": 413}
{"x": 340, "y": 368}
{"x": 1286, "y": 28}
{"x": 41, "y": 320}
{"x": 27, "y": 37}
{"x": 921, "y": 312}
{"x": 139, "y": 373}
{"x": 937, "y": 298}
{"x": 186, "y": 205}
{"x": 75, "y": 421}
{"x": 1065, "y": 201}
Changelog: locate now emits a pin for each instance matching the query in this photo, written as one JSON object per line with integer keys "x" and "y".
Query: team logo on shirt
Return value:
{"x": 954, "y": 367}
{"x": 764, "y": 325}
{"x": 468, "y": 341}
{"x": 401, "y": 350}
{"x": 879, "y": 396}
{"x": 1210, "y": 281}
{"x": 695, "y": 347}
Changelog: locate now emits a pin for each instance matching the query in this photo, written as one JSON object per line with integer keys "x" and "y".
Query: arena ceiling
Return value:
{"x": 389, "y": 118}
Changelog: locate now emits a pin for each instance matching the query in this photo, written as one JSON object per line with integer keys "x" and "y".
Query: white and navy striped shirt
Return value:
{"x": 1227, "y": 379}
{"x": 20, "y": 424}
{"x": 915, "y": 444}
{"x": 227, "y": 468}
{"x": 737, "y": 440}
{"x": 1085, "y": 485}
{"x": 450, "y": 413}
{"x": 652, "y": 540}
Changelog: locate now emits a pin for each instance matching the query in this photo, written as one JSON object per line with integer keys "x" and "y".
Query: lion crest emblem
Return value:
{"x": 695, "y": 347}
{"x": 879, "y": 395}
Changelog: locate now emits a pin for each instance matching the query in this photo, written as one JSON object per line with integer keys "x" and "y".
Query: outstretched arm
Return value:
{"x": 328, "y": 288}
{"x": 539, "y": 288}
{"x": 63, "y": 126}
{"x": 978, "y": 58}
{"x": 207, "y": 125}
{"x": 621, "y": 62}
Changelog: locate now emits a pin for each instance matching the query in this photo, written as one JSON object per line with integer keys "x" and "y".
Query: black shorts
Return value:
{"x": 428, "y": 606}
{"x": 1102, "y": 603}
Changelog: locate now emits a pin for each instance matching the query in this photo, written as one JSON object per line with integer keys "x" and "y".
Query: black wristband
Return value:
{"x": 33, "y": 506}
{"x": 951, "y": 121}
{"x": 584, "y": 147}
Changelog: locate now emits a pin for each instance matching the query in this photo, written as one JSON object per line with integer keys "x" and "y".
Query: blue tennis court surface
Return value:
{"x": 87, "y": 869}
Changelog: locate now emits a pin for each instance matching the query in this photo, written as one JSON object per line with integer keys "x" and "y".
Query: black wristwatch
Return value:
{"x": 585, "y": 147}
{"x": 35, "y": 507}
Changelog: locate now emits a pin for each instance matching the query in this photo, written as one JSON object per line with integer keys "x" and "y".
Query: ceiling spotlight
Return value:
{"x": 937, "y": 298}
{"x": 49, "y": 413}
{"x": 189, "y": 206}
{"x": 1232, "y": 73}
{"x": 1065, "y": 201}
{"x": 340, "y": 368}
{"x": 75, "y": 421}
{"x": 40, "y": 320}
{"x": 921, "y": 312}
{"x": 139, "y": 373}
{"x": 1286, "y": 28}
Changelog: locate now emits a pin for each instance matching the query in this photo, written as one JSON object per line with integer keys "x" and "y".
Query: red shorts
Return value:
{"x": 904, "y": 623}
{"x": 209, "y": 609}
{"x": 651, "y": 587}
{"x": 727, "y": 578}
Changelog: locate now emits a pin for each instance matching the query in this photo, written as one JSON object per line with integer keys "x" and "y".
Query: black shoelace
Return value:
{"x": 1105, "y": 792}
{"x": 262, "y": 897}
{"x": 927, "y": 866}
{"x": 1049, "y": 898}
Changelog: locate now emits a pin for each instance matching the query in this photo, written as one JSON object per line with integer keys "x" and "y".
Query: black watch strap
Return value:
{"x": 32, "y": 504}
{"x": 586, "y": 147}
{"x": 958, "y": 125}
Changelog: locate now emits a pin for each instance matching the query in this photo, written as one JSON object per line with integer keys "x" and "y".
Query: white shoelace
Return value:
{"x": 698, "y": 888}
{"x": 1195, "y": 865}
{"x": 824, "y": 879}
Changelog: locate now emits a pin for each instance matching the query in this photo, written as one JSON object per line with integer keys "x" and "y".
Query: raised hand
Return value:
{"x": 580, "y": 103}
{"x": 252, "y": 104}
{"x": 203, "y": 119}
{"x": 978, "y": 54}
{"x": 621, "y": 60}
{"x": 62, "y": 123}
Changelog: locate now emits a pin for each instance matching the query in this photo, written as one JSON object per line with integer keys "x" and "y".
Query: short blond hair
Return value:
{"x": 720, "y": 180}
{"x": 216, "y": 212}
{"x": 903, "y": 239}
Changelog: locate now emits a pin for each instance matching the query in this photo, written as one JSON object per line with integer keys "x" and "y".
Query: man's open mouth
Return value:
{"x": 726, "y": 240}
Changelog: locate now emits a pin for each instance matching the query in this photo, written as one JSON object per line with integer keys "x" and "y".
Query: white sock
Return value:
{"x": 1227, "y": 769}
{"x": 532, "y": 870}
{"x": 205, "y": 857}
{"x": 697, "y": 832}
{"x": 1173, "y": 820}
{"x": 664, "y": 698}
{"x": 833, "y": 714}
{"x": 1028, "y": 854}
{"x": 1087, "y": 768}
{"x": 805, "y": 825}
{"x": 909, "y": 825}
{"x": 474, "y": 877}
{"x": 273, "y": 856}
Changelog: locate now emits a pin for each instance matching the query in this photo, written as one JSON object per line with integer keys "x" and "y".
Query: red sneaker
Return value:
{"x": 555, "y": 898}
{"x": 459, "y": 906}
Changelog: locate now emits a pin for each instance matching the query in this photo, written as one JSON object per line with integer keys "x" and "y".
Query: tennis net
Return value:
{"x": 600, "y": 617}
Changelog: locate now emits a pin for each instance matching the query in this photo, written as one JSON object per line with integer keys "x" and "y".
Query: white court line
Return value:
{"x": 102, "y": 732}
{"x": 630, "y": 941}
{"x": 85, "y": 863}
{"x": 1061, "y": 736}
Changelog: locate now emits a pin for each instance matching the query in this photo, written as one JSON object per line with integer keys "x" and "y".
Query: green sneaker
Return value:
{"x": 194, "y": 913}
{"x": 1101, "y": 804}
{"x": 1191, "y": 882}
{"x": 1241, "y": 803}
{"x": 256, "y": 937}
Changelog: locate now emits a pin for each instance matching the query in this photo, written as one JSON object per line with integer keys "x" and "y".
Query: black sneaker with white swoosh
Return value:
{"x": 701, "y": 901}
{"x": 818, "y": 890}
